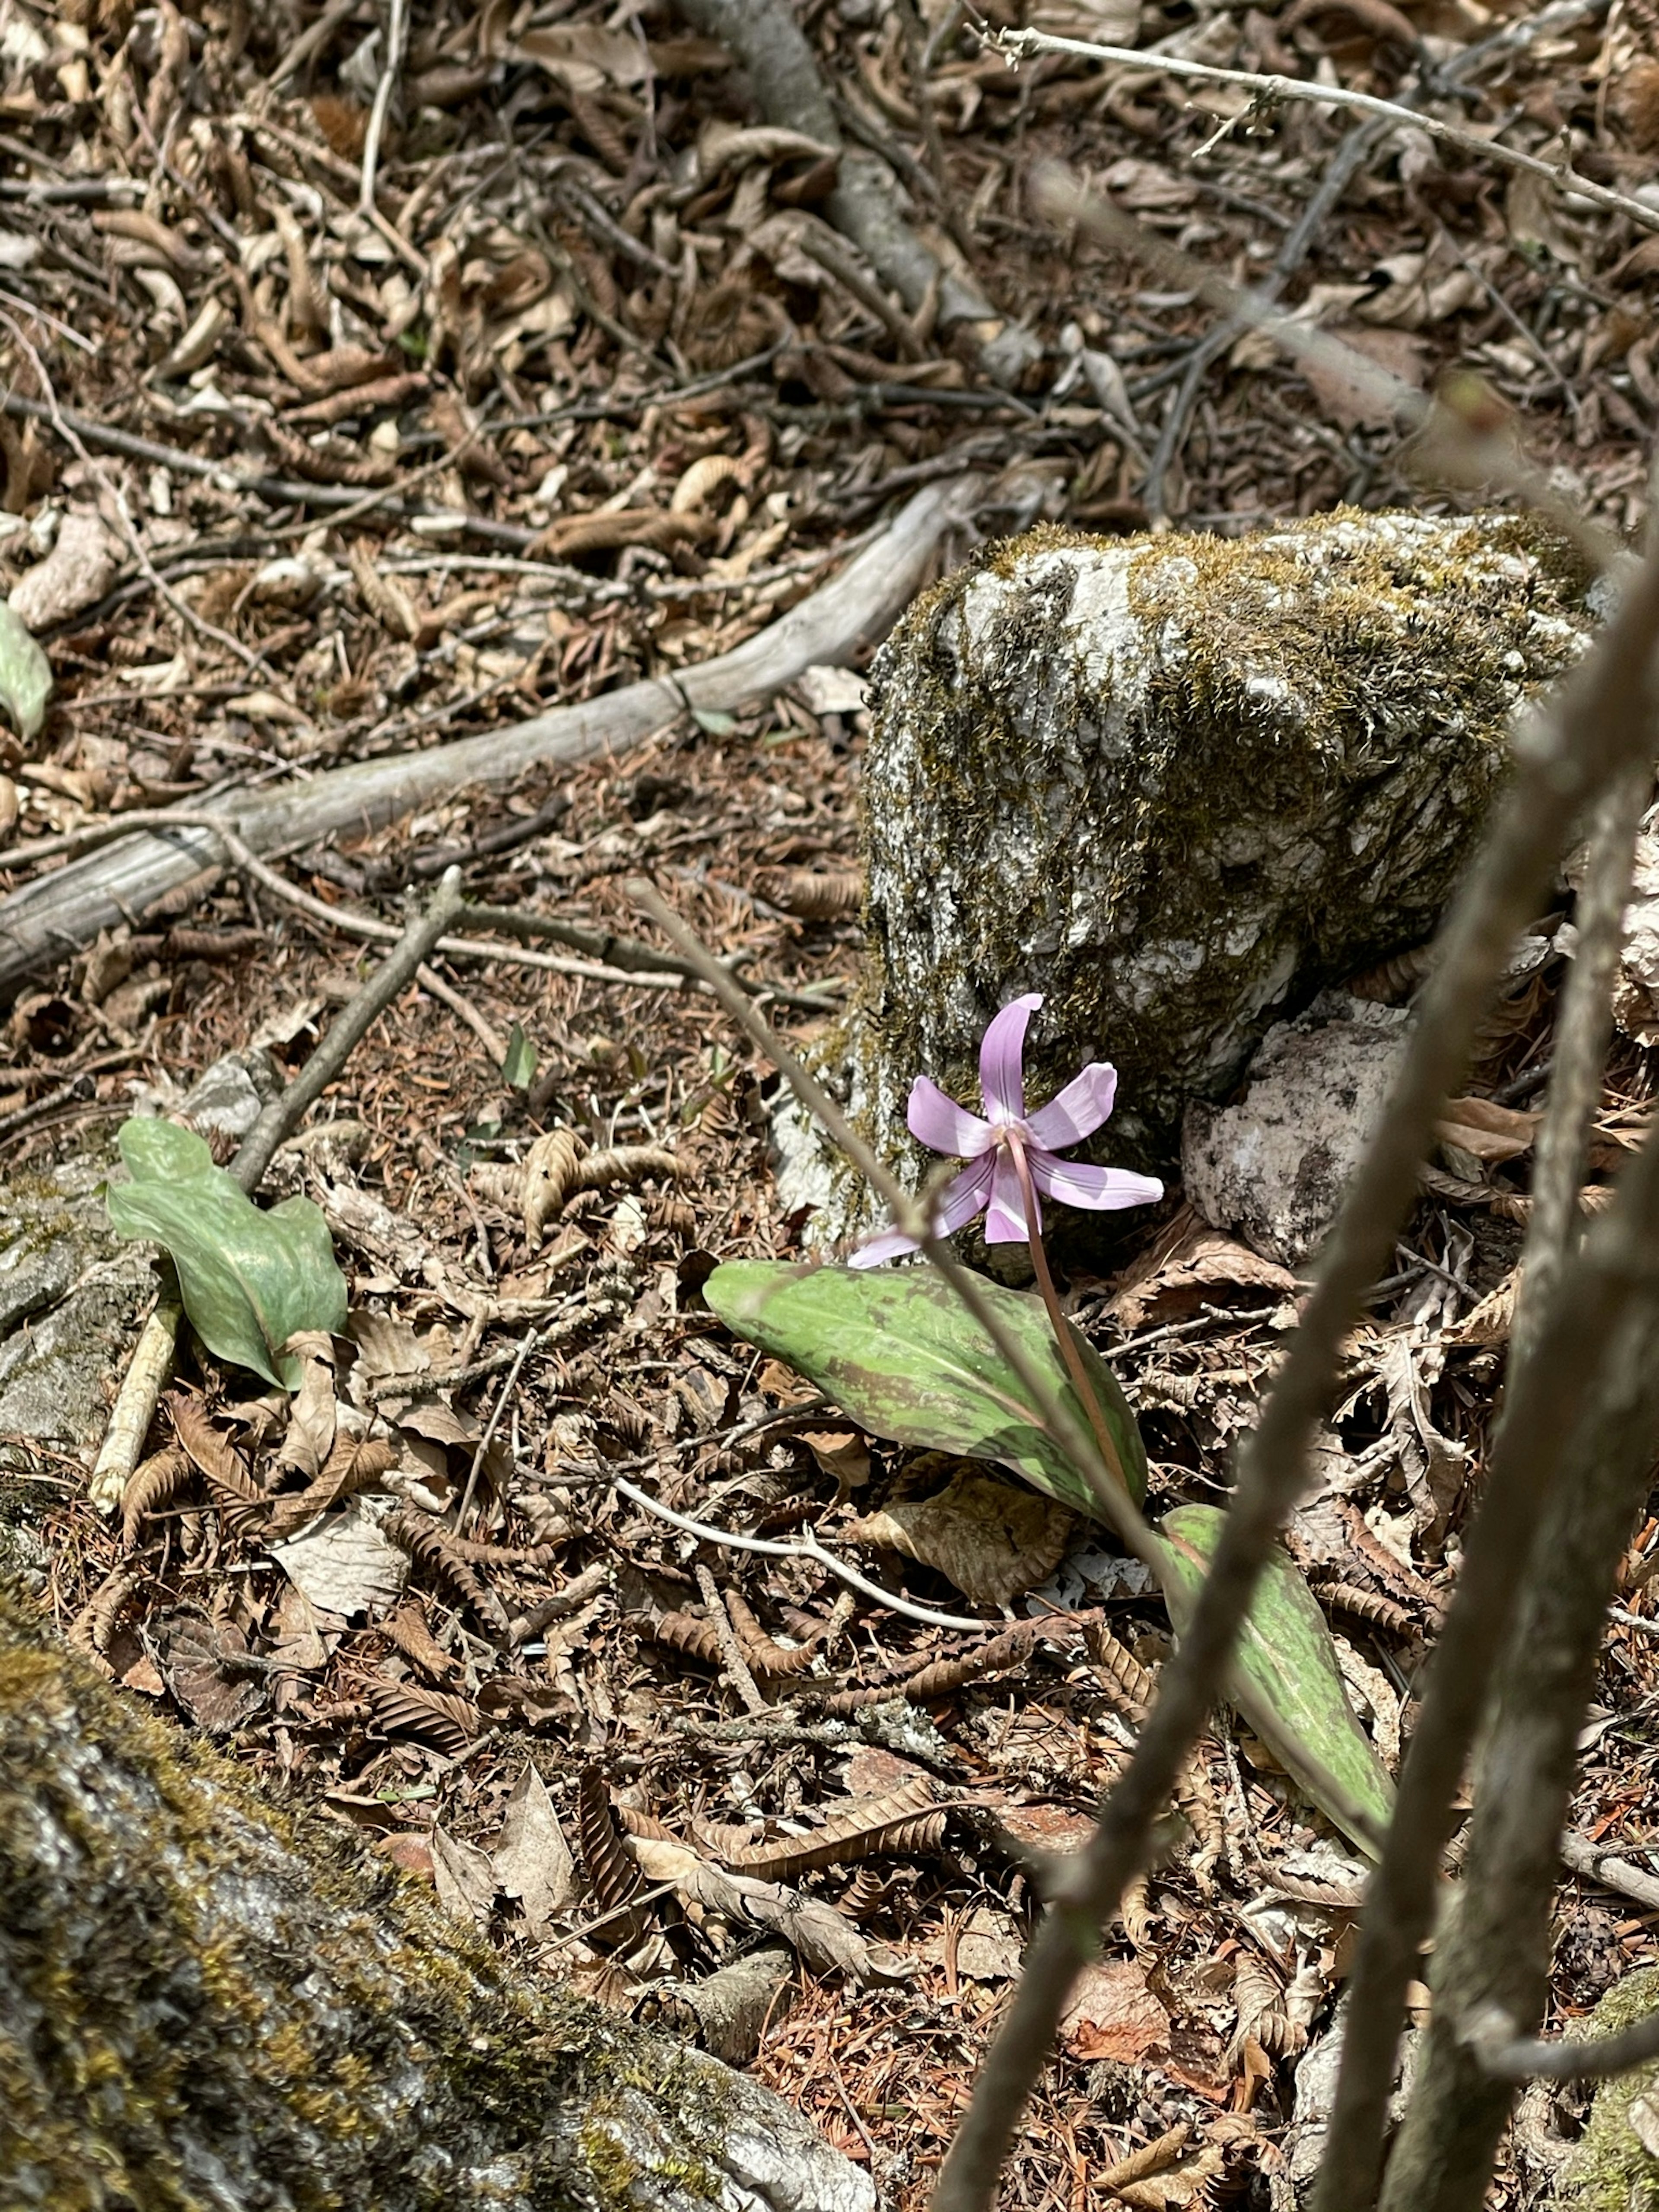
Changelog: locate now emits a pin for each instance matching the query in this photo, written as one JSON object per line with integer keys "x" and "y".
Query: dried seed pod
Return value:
{"x": 151, "y": 1486}
{"x": 431, "y": 1547}
{"x": 1195, "y": 1795}
{"x": 1128, "y": 1684}
{"x": 1368, "y": 1605}
{"x": 810, "y": 895}
{"x": 700, "y": 479}
{"x": 612, "y": 1876}
{"x": 447, "y": 1723}
{"x": 646, "y": 1826}
{"x": 94, "y": 1625}
{"x": 1135, "y": 1911}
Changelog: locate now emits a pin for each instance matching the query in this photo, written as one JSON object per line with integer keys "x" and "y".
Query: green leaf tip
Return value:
{"x": 1287, "y": 1680}
{"x": 898, "y": 1351}
{"x": 249, "y": 1277}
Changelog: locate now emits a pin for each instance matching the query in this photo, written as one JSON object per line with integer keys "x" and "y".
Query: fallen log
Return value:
{"x": 55, "y": 915}
{"x": 209, "y": 1999}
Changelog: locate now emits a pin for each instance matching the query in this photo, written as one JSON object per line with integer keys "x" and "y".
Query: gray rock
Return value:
{"x": 72, "y": 1294}
{"x": 1178, "y": 785}
{"x": 1272, "y": 1169}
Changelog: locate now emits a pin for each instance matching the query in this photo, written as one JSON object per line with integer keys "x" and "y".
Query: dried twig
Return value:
{"x": 1407, "y": 1886}
{"x": 1268, "y": 91}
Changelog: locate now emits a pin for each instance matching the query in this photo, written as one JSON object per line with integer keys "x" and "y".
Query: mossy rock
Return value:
{"x": 1615, "y": 2168}
{"x": 209, "y": 2003}
{"x": 1179, "y": 784}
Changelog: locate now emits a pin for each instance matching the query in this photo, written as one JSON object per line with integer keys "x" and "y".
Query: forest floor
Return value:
{"x": 571, "y": 405}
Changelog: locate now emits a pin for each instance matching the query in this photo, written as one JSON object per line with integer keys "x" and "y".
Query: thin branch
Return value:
{"x": 800, "y": 1548}
{"x": 1268, "y": 92}
{"x": 1523, "y": 2060}
{"x": 1599, "y": 719}
{"x": 1404, "y": 1894}
{"x": 285, "y": 1113}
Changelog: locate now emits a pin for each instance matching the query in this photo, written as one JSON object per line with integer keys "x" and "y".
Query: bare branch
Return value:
{"x": 1599, "y": 719}
{"x": 1509, "y": 2057}
{"x": 1268, "y": 92}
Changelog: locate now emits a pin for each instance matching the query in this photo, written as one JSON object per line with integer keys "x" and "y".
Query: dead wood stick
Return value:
{"x": 791, "y": 91}
{"x": 55, "y": 916}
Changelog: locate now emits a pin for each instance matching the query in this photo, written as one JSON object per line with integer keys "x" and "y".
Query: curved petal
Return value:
{"x": 962, "y": 1198}
{"x": 1102, "y": 1190}
{"x": 964, "y": 1195}
{"x": 1078, "y": 1111}
{"x": 885, "y": 1244}
{"x": 1005, "y": 1220}
{"x": 939, "y": 1121}
{"x": 1001, "y": 1055}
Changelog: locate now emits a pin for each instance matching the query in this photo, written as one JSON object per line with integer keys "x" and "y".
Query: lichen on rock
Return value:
{"x": 1178, "y": 784}
{"x": 209, "y": 2003}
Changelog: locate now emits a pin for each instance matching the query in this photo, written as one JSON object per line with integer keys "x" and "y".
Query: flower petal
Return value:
{"x": 938, "y": 1121}
{"x": 1001, "y": 1055}
{"x": 1004, "y": 1220}
{"x": 885, "y": 1244}
{"x": 965, "y": 1194}
{"x": 1102, "y": 1190}
{"x": 961, "y": 1198}
{"x": 1079, "y": 1109}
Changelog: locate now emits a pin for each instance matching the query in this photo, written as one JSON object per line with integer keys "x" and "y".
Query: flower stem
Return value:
{"x": 1063, "y": 1333}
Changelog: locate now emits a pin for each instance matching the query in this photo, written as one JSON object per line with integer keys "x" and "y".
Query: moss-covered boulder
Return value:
{"x": 209, "y": 2004}
{"x": 1615, "y": 2166}
{"x": 1178, "y": 784}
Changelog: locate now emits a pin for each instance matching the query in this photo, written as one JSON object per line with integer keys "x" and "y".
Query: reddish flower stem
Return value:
{"x": 1064, "y": 1336}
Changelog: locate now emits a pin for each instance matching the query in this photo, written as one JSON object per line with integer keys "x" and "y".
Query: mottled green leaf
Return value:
{"x": 898, "y": 1351}
{"x": 25, "y": 675}
{"x": 1286, "y": 1678}
{"x": 249, "y": 1277}
{"x": 519, "y": 1067}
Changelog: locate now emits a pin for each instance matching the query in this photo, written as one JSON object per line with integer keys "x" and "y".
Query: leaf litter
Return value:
{"x": 381, "y": 484}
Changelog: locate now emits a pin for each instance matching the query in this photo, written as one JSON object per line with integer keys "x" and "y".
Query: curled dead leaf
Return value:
{"x": 991, "y": 1540}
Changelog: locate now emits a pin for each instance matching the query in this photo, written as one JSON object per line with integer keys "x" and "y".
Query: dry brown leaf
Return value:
{"x": 464, "y": 1876}
{"x": 311, "y": 1414}
{"x": 990, "y": 1539}
{"x": 345, "y": 1563}
{"x": 533, "y": 1860}
{"x": 1488, "y": 1131}
{"x": 1112, "y": 2014}
{"x": 1189, "y": 1264}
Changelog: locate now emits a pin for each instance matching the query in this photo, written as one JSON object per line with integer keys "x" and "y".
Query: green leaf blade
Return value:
{"x": 249, "y": 1279}
{"x": 1287, "y": 1680}
{"x": 898, "y": 1351}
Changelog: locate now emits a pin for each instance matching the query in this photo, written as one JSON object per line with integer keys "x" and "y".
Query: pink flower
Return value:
{"x": 990, "y": 1183}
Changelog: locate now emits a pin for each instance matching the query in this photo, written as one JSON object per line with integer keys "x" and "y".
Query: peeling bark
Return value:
{"x": 209, "y": 2002}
